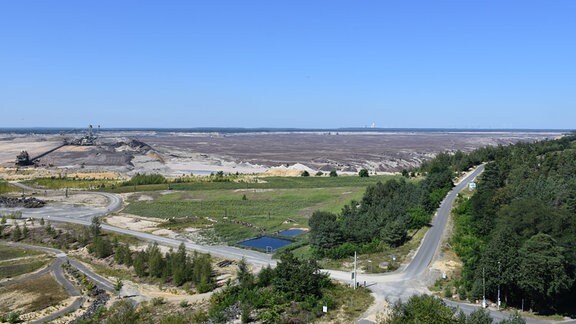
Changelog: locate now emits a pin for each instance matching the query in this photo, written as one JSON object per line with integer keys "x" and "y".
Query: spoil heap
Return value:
{"x": 27, "y": 202}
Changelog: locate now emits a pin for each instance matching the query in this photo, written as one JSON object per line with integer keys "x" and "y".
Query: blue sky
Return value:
{"x": 326, "y": 64}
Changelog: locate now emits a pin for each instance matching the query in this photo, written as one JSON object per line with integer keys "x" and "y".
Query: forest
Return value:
{"x": 519, "y": 228}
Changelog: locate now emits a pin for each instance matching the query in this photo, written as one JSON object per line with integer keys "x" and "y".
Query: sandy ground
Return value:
{"x": 132, "y": 222}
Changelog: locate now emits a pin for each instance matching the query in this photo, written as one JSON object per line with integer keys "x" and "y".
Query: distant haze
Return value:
{"x": 299, "y": 64}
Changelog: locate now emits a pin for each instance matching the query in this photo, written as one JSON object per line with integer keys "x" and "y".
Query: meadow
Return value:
{"x": 243, "y": 210}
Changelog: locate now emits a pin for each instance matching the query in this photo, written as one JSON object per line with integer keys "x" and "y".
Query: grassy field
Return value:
{"x": 15, "y": 261}
{"x": 5, "y": 187}
{"x": 10, "y": 269}
{"x": 269, "y": 210}
{"x": 203, "y": 183}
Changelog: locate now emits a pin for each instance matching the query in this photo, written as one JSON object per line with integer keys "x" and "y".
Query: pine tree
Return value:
{"x": 16, "y": 233}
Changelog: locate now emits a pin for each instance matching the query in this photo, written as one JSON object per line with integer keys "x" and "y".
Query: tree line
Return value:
{"x": 176, "y": 267}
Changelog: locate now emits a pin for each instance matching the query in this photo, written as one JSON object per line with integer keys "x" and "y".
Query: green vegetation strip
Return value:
{"x": 72, "y": 183}
{"x": 204, "y": 183}
{"x": 5, "y": 187}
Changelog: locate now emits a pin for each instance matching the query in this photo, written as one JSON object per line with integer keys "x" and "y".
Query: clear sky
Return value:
{"x": 292, "y": 63}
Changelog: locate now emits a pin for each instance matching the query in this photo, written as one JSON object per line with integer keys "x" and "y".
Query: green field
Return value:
{"x": 276, "y": 204}
{"x": 5, "y": 187}
{"x": 72, "y": 183}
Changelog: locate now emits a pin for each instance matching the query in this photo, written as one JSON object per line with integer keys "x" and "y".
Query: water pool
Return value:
{"x": 292, "y": 232}
{"x": 265, "y": 243}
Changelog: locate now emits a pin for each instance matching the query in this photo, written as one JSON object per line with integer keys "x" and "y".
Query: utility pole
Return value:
{"x": 483, "y": 287}
{"x": 354, "y": 273}
{"x": 499, "y": 279}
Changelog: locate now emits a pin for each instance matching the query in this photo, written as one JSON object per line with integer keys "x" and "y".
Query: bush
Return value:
{"x": 363, "y": 173}
{"x": 157, "y": 301}
{"x": 145, "y": 179}
{"x": 305, "y": 173}
{"x": 333, "y": 173}
{"x": 447, "y": 292}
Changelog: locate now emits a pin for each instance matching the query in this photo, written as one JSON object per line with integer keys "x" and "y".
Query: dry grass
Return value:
{"x": 31, "y": 295}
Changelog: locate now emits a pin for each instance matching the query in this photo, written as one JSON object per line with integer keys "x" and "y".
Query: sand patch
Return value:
{"x": 254, "y": 190}
{"x": 133, "y": 223}
{"x": 145, "y": 198}
{"x": 164, "y": 232}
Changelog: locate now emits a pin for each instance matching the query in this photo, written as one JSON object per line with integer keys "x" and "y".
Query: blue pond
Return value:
{"x": 265, "y": 243}
{"x": 292, "y": 232}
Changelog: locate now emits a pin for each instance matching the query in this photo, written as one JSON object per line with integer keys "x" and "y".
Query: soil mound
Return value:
{"x": 28, "y": 202}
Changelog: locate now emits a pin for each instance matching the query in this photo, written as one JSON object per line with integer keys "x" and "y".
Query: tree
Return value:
{"x": 179, "y": 265}
{"x": 25, "y": 231}
{"x": 140, "y": 264}
{"x": 101, "y": 247}
{"x": 16, "y": 233}
{"x": 394, "y": 234}
{"x": 122, "y": 312}
{"x": 514, "y": 319}
{"x": 363, "y": 173}
{"x": 245, "y": 277}
{"x": 155, "y": 261}
{"x": 298, "y": 279}
{"x": 305, "y": 173}
{"x": 419, "y": 218}
{"x": 319, "y": 173}
{"x": 542, "y": 273}
{"x": 420, "y": 309}
{"x": 95, "y": 227}
{"x": 325, "y": 231}
{"x": 480, "y": 316}
{"x": 333, "y": 173}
